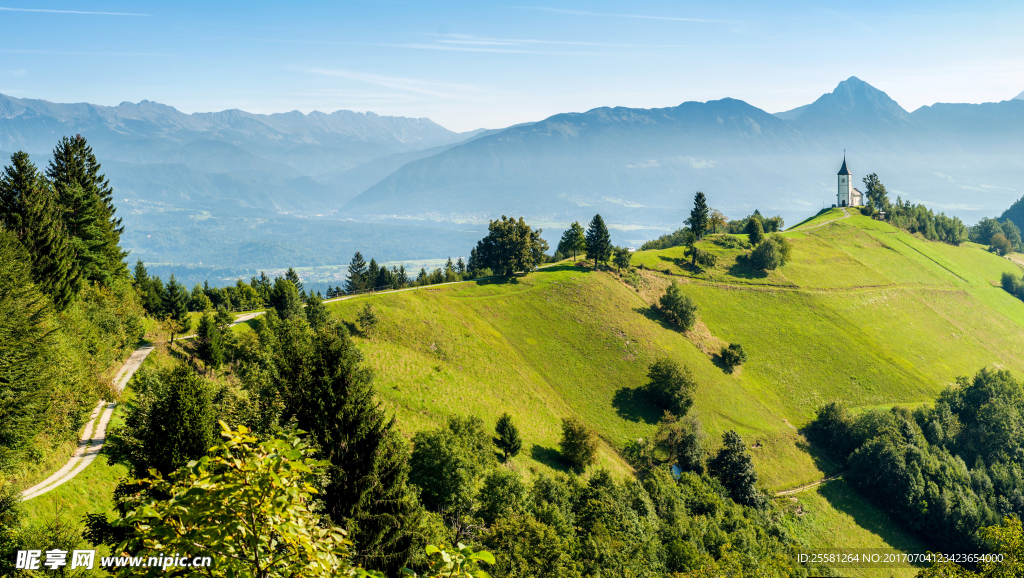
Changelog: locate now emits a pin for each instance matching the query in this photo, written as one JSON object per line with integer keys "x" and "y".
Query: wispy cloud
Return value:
{"x": 412, "y": 85}
{"x": 637, "y": 16}
{"x": 46, "y": 11}
{"x": 485, "y": 40}
{"x": 494, "y": 49}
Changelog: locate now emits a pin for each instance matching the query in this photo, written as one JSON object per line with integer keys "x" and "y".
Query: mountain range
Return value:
{"x": 320, "y": 176}
{"x": 639, "y": 166}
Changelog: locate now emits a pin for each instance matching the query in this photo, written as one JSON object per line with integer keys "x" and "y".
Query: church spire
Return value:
{"x": 844, "y": 170}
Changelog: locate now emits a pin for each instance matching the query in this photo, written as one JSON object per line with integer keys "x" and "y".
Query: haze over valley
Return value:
{"x": 242, "y": 191}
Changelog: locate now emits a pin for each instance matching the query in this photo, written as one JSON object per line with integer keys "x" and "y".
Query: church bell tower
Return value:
{"x": 843, "y": 198}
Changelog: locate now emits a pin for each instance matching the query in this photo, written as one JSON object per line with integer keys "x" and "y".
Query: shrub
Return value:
{"x": 368, "y": 319}
{"x": 705, "y": 259}
{"x": 672, "y": 385}
{"x": 784, "y": 246}
{"x": 678, "y": 308}
{"x": 579, "y": 443}
{"x": 867, "y": 210}
{"x": 766, "y": 257}
{"x": 503, "y": 494}
{"x": 1000, "y": 244}
{"x": 733, "y": 355}
{"x": 683, "y": 441}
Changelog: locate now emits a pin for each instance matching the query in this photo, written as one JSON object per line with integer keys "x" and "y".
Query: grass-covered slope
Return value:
{"x": 864, "y": 313}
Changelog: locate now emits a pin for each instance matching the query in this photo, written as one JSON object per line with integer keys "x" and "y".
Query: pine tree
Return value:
{"x": 316, "y": 312}
{"x": 573, "y": 240}
{"x": 509, "y": 441}
{"x": 356, "y": 275}
{"x": 598, "y": 241}
{"x": 699, "y": 215}
{"x": 460, "y": 266}
{"x": 29, "y": 209}
{"x": 88, "y": 198}
{"x": 293, "y": 276}
{"x": 372, "y": 271}
{"x": 176, "y": 307}
{"x": 285, "y": 299}
{"x": 331, "y": 395}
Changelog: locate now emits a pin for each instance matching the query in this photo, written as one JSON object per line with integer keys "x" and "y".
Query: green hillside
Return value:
{"x": 864, "y": 313}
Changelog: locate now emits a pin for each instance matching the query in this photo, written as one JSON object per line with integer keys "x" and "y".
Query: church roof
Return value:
{"x": 844, "y": 170}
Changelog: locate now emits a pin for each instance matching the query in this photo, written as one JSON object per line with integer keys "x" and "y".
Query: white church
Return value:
{"x": 848, "y": 195}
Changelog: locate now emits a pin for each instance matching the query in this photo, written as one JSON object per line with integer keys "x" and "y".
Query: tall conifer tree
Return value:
{"x": 330, "y": 393}
{"x": 699, "y": 215}
{"x": 356, "y": 274}
{"x": 599, "y": 241}
{"x": 88, "y": 202}
{"x": 29, "y": 209}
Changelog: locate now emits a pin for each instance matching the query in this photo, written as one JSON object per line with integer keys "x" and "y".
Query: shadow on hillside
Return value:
{"x": 818, "y": 455}
{"x": 550, "y": 457}
{"x": 653, "y": 315}
{"x": 633, "y": 404}
{"x": 498, "y": 280}
{"x": 742, "y": 269}
{"x": 563, "y": 268}
{"x": 844, "y": 499}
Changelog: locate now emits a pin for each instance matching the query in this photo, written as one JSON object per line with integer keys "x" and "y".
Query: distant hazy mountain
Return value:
{"x": 641, "y": 166}
{"x": 226, "y": 187}
{"x": 154, "y": 140}
{"x": 1019, "y": 96}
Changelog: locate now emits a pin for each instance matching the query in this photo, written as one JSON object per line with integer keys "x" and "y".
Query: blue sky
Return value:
{"x": 482, "y": 64}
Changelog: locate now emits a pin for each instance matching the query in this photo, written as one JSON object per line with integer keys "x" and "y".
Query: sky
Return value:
{"x": 478, "y": 64}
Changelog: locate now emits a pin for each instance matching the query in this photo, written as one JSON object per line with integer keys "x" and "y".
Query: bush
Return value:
{"x": 672, "y": 385}
{"x": 733, "y": 355}
{"x": 784, "y": 246}
{"x": 705, "y": 259}
{"x": 368, "y": 319}
{"x": 503, "y": 494}
{"x": 1000, "y": 245}
{"x": 683, "y": 441}
{"x": 679, "y": 308}
{"x": 579, "y": 443}
{"x": 766, "y": 257}
{"x": 867, "y": 210}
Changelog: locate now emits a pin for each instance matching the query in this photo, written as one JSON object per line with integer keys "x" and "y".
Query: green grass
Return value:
{"x": 863, "y": 313}
{"x": 834, "y": 516}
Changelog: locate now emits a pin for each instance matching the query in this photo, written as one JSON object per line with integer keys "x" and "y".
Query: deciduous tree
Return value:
{"x": 733, "y": 466}
{"x": 510, "y": 246}
{"x": 579, "y": 443}
{"x": 573, "y": 241}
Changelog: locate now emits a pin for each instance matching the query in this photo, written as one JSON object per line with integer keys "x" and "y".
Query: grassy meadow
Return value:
{"x": 863, "y": 313}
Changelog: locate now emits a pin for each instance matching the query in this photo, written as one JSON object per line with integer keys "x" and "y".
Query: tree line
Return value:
{"x": 947, "y": 471}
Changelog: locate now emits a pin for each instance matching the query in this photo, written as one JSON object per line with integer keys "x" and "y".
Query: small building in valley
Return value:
{"x": 848, "y": 196}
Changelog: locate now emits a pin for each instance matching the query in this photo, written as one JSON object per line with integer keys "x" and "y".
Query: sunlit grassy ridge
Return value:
{"x": 863, "y": 313}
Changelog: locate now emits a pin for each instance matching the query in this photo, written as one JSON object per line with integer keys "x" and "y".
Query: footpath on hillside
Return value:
{"x": 95, "y": 433}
